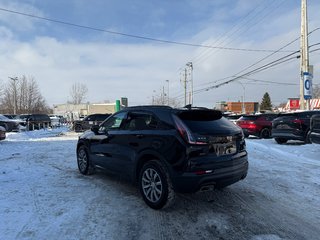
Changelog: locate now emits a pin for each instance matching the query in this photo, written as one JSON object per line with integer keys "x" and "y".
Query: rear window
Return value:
{"x": 207, "y": 122}
{"x": 250, "y": 117}
{"x": 101, "y": 117}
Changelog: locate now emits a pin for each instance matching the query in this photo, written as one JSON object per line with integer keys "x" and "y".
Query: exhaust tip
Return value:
{"x": 207, "y": 188}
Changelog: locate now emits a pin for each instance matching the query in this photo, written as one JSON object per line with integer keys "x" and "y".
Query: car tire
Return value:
{"x": 280, "y": 140}
{"x": 307, "y": 139}
{"x": 84, "y": 164}
{"x": 78, "y": 128}
{"x": 265, "y": 133}
{"x": 155, "y": 185}
{"x": 6, "y": 127}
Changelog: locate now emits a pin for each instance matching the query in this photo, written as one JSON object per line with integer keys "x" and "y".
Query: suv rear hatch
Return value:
{"x": 287, "y": 122}
{"x": 209, "y": 129}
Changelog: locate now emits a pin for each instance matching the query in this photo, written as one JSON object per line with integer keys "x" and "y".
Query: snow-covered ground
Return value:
{"x": 43, "y": 196}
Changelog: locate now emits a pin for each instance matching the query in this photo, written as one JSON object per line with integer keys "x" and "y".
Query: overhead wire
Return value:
{"x": 132, "y": 35}
{"x": 264, "y": 58}
{"x": 257, "y": 70}
{"x": 235, "y": 26}
{"x": 243, "y": 29}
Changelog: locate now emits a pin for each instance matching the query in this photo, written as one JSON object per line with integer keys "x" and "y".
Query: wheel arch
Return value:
{"x": 144, "y": 157}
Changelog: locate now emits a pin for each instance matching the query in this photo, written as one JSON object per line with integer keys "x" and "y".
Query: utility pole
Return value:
{"x": 190, "y": 66}
{"x": 304, "y": 62}
{"x": 185, "y": 86}
{"x": 14, "y": 94}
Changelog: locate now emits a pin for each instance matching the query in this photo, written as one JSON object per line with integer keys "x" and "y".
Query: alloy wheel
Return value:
{"x": 82, "y": 160}
{"x": 152, "y": 185}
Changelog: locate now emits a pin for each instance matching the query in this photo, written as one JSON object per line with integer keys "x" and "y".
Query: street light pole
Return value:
{"x": 14, "y": 94}
{"x": 244, "y": 96}
{"x": 168, "y": 93}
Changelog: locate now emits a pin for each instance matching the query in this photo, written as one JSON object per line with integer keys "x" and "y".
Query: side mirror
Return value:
{"x": 95, "y": 129}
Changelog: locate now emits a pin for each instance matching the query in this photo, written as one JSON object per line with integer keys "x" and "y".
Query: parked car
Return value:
{"x": 10, "y": 116}
{"x": 259, "y": 125}
{"x": 292, "y": 126}
{"x": 233, "y": 117}
{"x": 166, "y": 150}
{"x": 315, "y": 129}
{"x": 88, "y": 121}
{"x": 34, "y": 121}
{"x": 2, "y": 133}
{"x": 10, "y": 125}
{"x": 56, "y": 120}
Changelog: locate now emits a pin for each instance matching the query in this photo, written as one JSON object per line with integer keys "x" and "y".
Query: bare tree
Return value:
{"x": 24, "y": 96}
{"x": 78, "y": 93}
{"x": 160, "y": 100}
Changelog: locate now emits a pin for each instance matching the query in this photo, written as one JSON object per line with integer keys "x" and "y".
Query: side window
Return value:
{"x": 141, "y": 121}
{"x": 90, "y": 118}
{"x": 113, "y": 123}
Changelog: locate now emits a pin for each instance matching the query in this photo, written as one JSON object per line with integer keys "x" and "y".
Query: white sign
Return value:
{"x": 307, "y": 85}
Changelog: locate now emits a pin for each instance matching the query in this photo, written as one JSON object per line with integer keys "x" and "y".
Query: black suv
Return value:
{"x": 315, "y": 129}
{"x": 90, "y": 120}
{"x": 166, "y": 150}
{"x": 292, "y": 126}
{"x": 34, "y": 121}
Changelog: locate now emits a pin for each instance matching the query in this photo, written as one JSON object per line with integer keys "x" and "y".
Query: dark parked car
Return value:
{"x": 292, "y": 126}
{"x": 258, "y": 125}
{"x": 9, "y": 124}
{"x": 166, "y": 150}
{"x": 315, "y": 129}
{"x": 34, "y": 121}
{"x": 2, "y": 133}
{"x": 90, "y": 120}
{"x": 10, "y": 116}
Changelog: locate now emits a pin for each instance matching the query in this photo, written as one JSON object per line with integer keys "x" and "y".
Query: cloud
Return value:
{"x": 18, "y": 22}
{"x": 112, "y": 69}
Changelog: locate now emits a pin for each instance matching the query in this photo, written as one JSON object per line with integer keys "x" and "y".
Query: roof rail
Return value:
{"x": 149, "y": 106}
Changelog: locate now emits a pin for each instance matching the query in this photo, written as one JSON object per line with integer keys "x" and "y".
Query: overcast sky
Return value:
{"x": 112, "y": 66}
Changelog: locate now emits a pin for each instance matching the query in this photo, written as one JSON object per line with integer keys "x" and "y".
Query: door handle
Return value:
{"x": 140, "y": 136}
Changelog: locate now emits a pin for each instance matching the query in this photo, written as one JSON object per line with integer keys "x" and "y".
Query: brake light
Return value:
{"x": 185, "y": 133}
{"x": 298, "y": 121}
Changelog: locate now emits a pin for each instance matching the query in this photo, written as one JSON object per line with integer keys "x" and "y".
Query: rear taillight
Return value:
{"x": 185, "y": 133}
{"x": 298, "y": 121}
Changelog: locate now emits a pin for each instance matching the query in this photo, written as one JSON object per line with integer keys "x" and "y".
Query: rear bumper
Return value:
{"x": 315, "y": 137}
{"x": 250, "y": 131}
{"x": 289, "y": 135}
{"x": 222, "y": 175}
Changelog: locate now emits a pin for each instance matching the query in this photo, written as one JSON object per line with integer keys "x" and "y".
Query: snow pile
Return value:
{"x": 43, "y": 196}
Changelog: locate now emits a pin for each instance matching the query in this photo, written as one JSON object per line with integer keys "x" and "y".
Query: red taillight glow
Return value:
{"x": 298, "y": 121}
{"x": 247, "y": 124}
{"x": 202, "y": 172}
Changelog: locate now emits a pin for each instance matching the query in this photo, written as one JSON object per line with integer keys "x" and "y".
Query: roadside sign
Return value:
{"x": 307, "y": 85}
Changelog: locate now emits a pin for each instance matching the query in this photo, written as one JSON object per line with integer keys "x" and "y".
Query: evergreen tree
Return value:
{"x": 266, "y": 102}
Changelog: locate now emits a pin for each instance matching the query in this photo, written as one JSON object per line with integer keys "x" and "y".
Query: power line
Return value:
{"x": 132, "y": 35}
{"x": 259, "y": 69}
{"x": 205, "y": 51}
{"x": 259, "y": 61}
{"x": 245, "y": 29}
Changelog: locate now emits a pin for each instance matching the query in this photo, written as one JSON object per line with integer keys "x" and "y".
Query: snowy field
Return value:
{"x": 43, "y": 196}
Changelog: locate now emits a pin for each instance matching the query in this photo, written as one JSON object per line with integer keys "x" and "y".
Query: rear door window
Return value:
{"x": 141, "y": 121}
